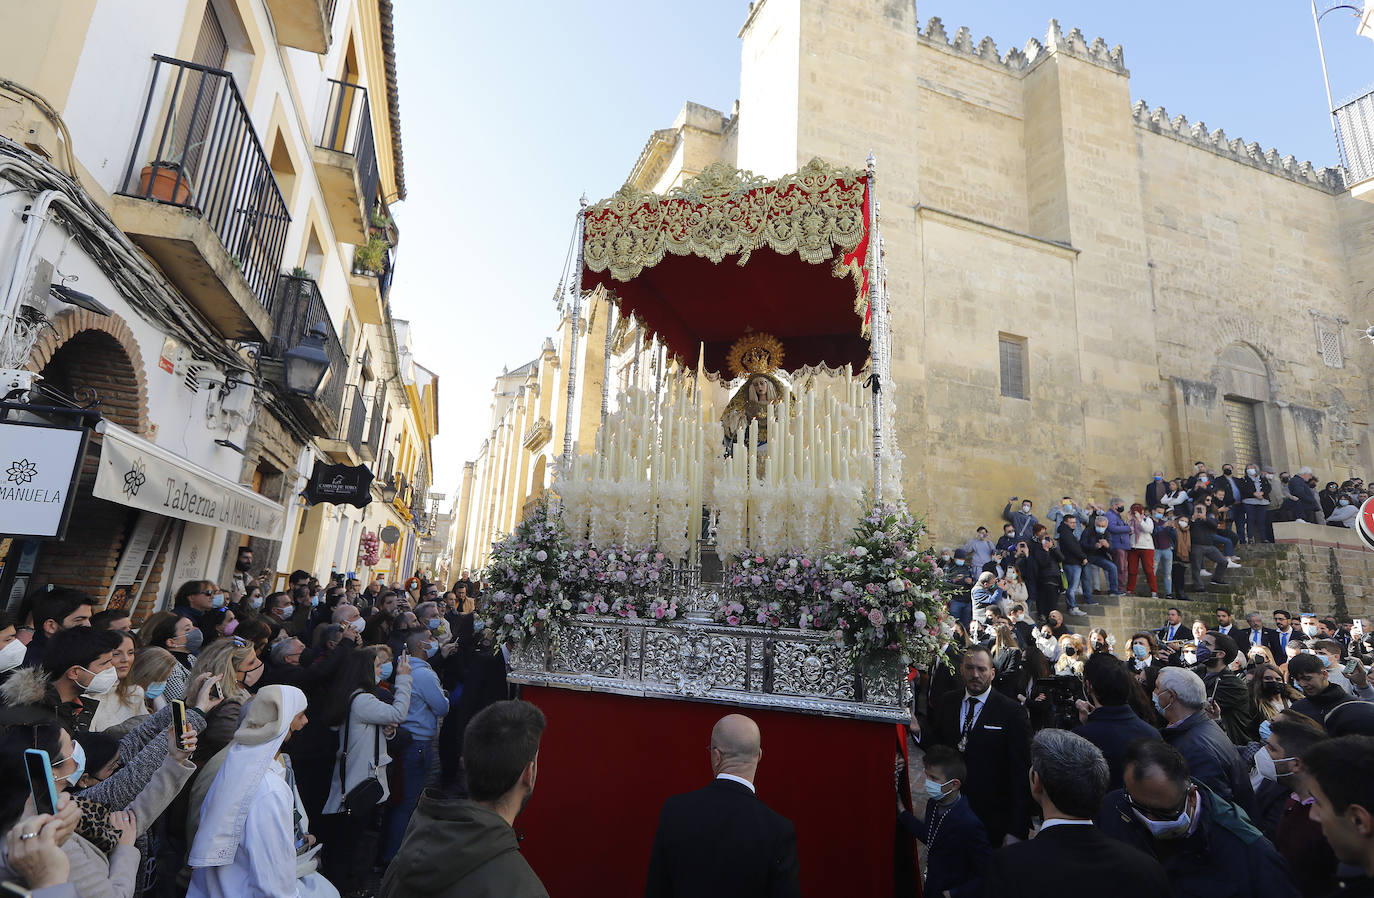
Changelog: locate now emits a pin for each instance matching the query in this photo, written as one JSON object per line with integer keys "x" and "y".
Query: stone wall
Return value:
{"x": 1327, "y": 570}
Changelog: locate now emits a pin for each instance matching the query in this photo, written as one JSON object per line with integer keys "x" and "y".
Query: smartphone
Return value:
{"x": 39, "y": 767}
{"x": 179, "y": 722}
{"x": 1351, "y": 665}
{"x": 215, "y": 691}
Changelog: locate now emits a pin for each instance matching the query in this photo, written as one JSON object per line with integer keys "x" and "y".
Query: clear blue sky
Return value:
{"x": 510, "y": 111}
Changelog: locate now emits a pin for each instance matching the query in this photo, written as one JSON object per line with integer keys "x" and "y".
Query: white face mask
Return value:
{"x": 1169, "y": 829}
{"x": 102, "y": 682}
{"x": 12, "y": 655}
{"x": 287, "y": 612}
{"x": 1264, "y": 765}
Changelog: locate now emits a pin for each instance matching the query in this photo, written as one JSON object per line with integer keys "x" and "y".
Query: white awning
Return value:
{"x": 141, "y": 474}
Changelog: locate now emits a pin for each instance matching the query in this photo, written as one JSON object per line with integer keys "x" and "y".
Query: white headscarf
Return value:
{"x": 255, "y": 746}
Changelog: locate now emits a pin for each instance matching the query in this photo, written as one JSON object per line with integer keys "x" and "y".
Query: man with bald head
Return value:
{"x": 722, "y": 840}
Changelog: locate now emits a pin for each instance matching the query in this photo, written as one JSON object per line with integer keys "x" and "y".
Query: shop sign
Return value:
{"x": 139, "y": 474}
{"x": 339, "y": 485}
{"x": 390, "y": 533}
{"x": 38, "y": 470}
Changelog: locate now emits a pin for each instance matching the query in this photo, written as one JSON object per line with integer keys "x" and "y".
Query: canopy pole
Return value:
{"x": 875, "y": 331}
{"x": 576, "y": 323}
{"x": 606, "y": 362}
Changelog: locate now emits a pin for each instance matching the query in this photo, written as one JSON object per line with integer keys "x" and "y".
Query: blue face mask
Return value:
{"x": 1204, "y": 654}
{"x": 1140, "y": 651}
{"x": 217, "y": 600}
{"x": 1158, "y": 478}
{"x": 434, "y": 623}
{"x": 387, "y": 668}
{"x": 1264, "y": 730}
{"x": 153, "y": 690}
{"x": 431, "y": 649}
{"x": 314, "y": 601}
{"x": 79, "y": 756}
{"x": 1154, "y": 697}
{"x": 936, "y": 791}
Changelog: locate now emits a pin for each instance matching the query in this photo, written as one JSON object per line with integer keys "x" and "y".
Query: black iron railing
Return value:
{"x": 196, "y": 148}
{"x": 354, "y": 426}
{"x": 348, "y": 129}
{"x": 374, "y": 430}
{"x": 299, "y": 308}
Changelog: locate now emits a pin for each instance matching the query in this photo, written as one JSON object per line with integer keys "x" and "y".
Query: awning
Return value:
{"x": 138, "y": 473}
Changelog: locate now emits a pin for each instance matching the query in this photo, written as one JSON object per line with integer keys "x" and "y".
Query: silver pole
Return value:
{"x": 576, "y": 322}
{"x": 606, "y": 365}
{"x": 875, "y": 330}
{"x": 1326, "y": 79}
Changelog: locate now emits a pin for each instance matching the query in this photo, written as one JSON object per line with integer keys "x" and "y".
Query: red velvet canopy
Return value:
{"x": 727, "y": 253}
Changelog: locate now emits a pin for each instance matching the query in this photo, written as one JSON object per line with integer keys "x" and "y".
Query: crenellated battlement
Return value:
{"x": 1018, "y": 61}
{"x": 1252, "y": 154}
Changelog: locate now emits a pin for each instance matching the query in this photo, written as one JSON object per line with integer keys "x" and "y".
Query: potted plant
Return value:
{"x": 165, "y": 182}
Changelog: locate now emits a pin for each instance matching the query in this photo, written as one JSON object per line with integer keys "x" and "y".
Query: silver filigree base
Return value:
{"x": 787, "y": 670}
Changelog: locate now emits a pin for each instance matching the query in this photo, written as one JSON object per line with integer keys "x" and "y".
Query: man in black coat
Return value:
{"x": 1111, "y": 725}
{"x": 722, "y": 840}
{"x": 1267, "y": 637}
{"x": 992, "y": 732}
{"x": 1068, "y": 777}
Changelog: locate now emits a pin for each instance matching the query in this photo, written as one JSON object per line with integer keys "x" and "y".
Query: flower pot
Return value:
{"x": 164, "y": 184}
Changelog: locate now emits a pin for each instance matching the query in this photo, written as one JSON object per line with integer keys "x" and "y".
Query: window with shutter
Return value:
{"x": 1329, "y": 342}
{"x": 1011, "y": 353}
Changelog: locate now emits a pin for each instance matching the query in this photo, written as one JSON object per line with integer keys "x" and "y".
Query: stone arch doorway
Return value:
{"x": 1243, "y": 382}
{"x": 99, "y": 361}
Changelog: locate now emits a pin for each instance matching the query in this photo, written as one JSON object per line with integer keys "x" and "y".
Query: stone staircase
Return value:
{"x": 1121, "y": 616}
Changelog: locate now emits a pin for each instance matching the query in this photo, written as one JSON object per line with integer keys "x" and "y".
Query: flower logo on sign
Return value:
{"x": 134, "y": 479}
{"x": 22, "y": 471}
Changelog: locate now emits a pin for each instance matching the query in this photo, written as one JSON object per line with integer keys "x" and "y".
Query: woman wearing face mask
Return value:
{"x": 1147, "y": 659}
{"x": 352, "y": 705}
{"x": 122, "y": 702}
{"x": 147, "y": 680}
{"x": 195, "y": 597}
{"x": 217, "y": 624}
{"x": 179, "y": 636}
{"x": 1345, "y": 513}
{"x": 1073, "y": 651}
{"x": 1270, "y": 694}
{"x": 238, "y": 668}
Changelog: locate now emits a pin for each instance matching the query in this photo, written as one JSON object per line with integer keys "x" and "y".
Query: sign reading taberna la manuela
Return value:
{"x": 39, "y": 466}
{"x": 143, "y": 475}
{"x": 339, "y": 485}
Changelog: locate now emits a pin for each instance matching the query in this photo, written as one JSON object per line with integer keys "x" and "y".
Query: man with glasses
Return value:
{"x": 1206, "y": 845}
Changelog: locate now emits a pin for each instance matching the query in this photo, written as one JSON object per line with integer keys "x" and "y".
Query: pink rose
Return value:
{"x": 732, "y": 620}
{"x": 875, "y": 617}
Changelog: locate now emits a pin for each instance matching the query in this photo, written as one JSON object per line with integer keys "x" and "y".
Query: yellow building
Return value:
{"x": 1083, "y": 290}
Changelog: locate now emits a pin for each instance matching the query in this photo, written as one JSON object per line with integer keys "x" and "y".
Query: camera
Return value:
{"x": 1060, "y": 694}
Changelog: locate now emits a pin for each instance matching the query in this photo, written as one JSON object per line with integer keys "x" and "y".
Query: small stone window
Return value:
{"x": 1012, "y": 359}
{"x": 1329, "y": 342}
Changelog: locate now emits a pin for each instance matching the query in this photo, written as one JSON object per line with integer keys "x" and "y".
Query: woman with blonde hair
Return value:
{"x": 237, "y": 664}
{"x": 152, "y": 668}
{"x": 1073, "y": 651}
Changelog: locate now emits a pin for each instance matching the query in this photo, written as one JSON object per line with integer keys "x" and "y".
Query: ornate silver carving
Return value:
{"x": 791, "y": 670}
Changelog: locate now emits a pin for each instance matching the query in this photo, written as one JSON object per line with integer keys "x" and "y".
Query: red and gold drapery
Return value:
{"x": 798, "y": 246}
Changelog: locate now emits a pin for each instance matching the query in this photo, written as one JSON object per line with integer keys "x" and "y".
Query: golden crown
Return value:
{"x": 755, "y": 354}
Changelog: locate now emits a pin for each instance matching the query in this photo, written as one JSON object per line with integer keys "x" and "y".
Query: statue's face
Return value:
{"x": 759, "y": 389}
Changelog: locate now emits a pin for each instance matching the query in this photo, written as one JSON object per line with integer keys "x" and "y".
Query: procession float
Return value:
{"x": 735, "y": 539}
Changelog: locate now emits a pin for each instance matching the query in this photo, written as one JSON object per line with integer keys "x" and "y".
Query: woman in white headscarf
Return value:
{"x": 246, "y": 844}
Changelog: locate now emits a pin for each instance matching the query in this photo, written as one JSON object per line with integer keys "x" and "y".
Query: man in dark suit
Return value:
{"x": 1257, "y": 634}
{"x": 1173, "y": 628}
{"x": 1068, "y": 778}
{"x": 1107, "y": 720}
{"x": 992, "y": 732}
{"x": 722, "y": 840}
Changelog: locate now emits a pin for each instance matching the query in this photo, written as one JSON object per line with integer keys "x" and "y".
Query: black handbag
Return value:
{"x": 365, "y": 796}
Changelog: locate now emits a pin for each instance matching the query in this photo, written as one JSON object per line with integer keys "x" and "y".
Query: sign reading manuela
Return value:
{"x": 37, "y": 469}
{"x": 136, "y": 472}
{"x": 339, "y": 485}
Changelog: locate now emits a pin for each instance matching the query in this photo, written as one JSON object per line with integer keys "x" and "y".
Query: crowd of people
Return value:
{"x": 1163, "y": 541}
{"x": 1211, "y": 750}
{"x": 339, "y": 739}
{"x": 310, "y": 719}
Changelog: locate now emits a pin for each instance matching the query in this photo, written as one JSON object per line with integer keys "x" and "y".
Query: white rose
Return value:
{"x": 919, "y": 619}
{"x": 860, "y": 551}
{"x": 896, "y": 585}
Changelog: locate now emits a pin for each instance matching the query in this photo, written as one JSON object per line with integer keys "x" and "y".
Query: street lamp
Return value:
{"x": 307, "y": 365}
{"x": 388, "y": 491}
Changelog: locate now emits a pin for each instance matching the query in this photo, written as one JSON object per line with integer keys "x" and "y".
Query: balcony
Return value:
{"x": 351, "y": 446}
{"x": 346, "y": 161}
{"x": 299, "y": 308}
{"x": 1355, "y": 134}
{"x": 200, "y": 197}
{"x": 303, "y": 24}
{"x": 370, "y": 281}
{"x": 376, "y": 425}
